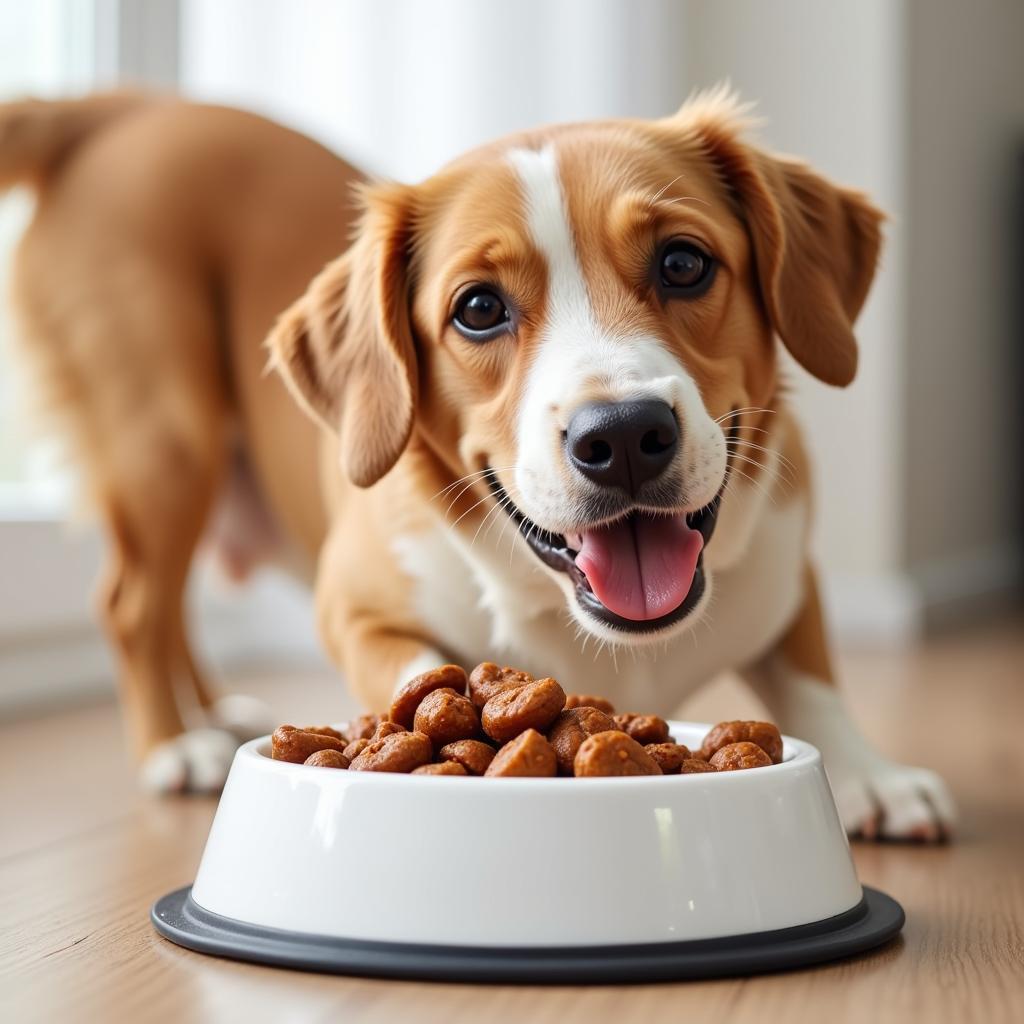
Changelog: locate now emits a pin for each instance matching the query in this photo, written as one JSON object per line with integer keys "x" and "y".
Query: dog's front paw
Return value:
{"x": 197, "y": 761}
{"x": 878, "y": 799}
{"x": 244, "y": 717}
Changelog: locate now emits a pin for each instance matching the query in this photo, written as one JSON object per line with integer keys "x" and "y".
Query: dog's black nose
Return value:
{"x": 622, "y": 444}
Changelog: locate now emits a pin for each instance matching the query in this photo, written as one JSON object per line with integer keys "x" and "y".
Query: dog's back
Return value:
{"x": 166, "y": 239}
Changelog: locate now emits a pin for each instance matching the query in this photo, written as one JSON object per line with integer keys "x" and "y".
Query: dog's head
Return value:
{"x": 585, "y": 317}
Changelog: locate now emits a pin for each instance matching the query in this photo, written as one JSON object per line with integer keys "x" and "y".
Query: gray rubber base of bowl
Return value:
{"x": 876, "y": 919}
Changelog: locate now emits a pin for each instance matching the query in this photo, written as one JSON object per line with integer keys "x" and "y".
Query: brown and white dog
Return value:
{"x": 548, "y": 373}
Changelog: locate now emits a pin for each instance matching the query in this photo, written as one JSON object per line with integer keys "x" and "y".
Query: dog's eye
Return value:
{"x": 685, "y": 268}
{"x": 481, "y": 315}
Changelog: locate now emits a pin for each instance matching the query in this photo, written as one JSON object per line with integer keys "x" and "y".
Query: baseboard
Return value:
{"x": 966, "y": 589}
{"x": 896, "y": 610}
{"x": 880, "y": 611}
{"x": 266, "y": 625}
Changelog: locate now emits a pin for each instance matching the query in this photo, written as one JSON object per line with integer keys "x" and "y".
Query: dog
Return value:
{"x": 537, "y": 416}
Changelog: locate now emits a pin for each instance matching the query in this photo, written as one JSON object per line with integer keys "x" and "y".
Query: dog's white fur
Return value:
{"x": 515, "y": 609}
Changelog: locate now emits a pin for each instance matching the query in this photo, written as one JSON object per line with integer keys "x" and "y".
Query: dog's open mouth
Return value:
{"x": 640, "y": 573}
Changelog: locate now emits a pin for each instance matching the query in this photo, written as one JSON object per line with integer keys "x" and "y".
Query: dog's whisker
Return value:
{"x": 776, "y": 464}
{"x": 455, "y": 483}
{"x": 475, "y": 504}
{"x": 490, "y": 512}
{"x": 682, "y": 199}
{"x": 751, "y": 409}
{"x": 455, "y": 500}
{"x": 774, "y": 471}
{"x": 756, "y": 484}
{"x": 472, "y": 478}
{"x": 664, "y": 188}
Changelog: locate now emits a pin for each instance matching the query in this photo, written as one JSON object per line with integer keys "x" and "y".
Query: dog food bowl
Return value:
{"x": 509, "y": 879}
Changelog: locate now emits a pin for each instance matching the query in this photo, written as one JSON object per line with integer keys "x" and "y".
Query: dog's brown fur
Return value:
{"x": 166, "y": 239}
{"x": 169, "y": 235}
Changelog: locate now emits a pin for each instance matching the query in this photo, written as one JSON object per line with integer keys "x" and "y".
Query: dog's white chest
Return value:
{"x": 484, "y": 605}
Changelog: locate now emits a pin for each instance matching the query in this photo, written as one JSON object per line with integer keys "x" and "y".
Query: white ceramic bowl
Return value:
{"x": 527, "y": 862}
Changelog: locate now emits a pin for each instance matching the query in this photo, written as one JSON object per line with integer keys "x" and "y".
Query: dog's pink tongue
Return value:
{"x": 641, "y": 568}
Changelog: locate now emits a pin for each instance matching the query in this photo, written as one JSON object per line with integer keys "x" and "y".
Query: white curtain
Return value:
{"x": 404, "y": 85}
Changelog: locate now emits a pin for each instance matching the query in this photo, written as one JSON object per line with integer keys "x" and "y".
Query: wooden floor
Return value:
{"x": 82, "y": 856}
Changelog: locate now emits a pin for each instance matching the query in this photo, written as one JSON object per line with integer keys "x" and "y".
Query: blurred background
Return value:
{"x": 918, "y": 102}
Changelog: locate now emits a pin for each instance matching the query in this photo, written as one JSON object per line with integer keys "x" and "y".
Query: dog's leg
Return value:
{"x": 366, "y": 629}
{"x": 140, "y": 384}
{"x": 155, "y": 518}
{"x": 876, "y": 797}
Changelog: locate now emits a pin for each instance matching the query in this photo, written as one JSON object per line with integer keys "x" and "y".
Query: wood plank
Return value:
{"x": 82, "y": 856}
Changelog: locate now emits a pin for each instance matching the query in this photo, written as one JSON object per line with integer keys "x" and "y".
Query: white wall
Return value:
{"x": 827, "y": 80}
{"x": 965, "y": 353}
{"x": 405, "y": 85}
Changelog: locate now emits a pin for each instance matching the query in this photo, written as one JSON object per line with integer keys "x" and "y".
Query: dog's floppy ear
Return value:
{"x": 345, "y": 349}
{"x": 815, "y": 244}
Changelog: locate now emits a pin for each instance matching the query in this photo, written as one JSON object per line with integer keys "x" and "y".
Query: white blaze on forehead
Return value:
{"x": 548, "y": 221}
{"x": 577, "y": 357}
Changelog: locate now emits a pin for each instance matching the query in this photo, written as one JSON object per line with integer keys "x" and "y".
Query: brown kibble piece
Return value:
{"x": 399, "y": 752}
{"x": 446, "y": 716}
{"x": 613, "y": 753}
{"x": 585, "y": 700}
{"x": 327, "y": 759}
{"x": 441, "y": 768}
{"x": 361, "y": 728}
{"x": 355, "y": 748}
{"x": 295, "y": 745}
{"x": 325, "y": 730}
{"x": 474, "y": 755}
{"x": 644, "y": 728}
{"x": 531, "y": 706}
{"x": 765, "y": 734}
{"x": 571, "y": 728}
{"x": 695, "y": 765}
{"x": 529, "y": 754}
{"x": 386, "y": 728}
{"x": 739, "y": 756}
{"x": 488, "y": 679}
{"x": 670, "y": 756}
{"x": 407, "y": 699}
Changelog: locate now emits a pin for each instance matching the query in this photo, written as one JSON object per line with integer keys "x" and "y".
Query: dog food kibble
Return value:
{"x": 399, "y": 752}
{"x": 737, "y": 756}
{"x": 529, "y": 754}
{"x": 355, "y": 748}
{"x": 407, "y": 699}
{"x": 488, "y": 679}
{"x": 361, "y": 728}
{"x": 386, "y": 728}
{"x": 644, "y": 728}
{"x": 670, "y": 756}
{"x": 585, "y": 700}
{"x": 446, "y": 716}
{"x": 498, "y": 730}
{"x": 440, "y": 768}
{"x": 764, "y": 734}
{"x": 613, "y": 753}
{"x": 531, "y": 706}
{"x": 325, "y": 730}
{"x": 474, "y": 755}
{"x": 291, "y": 744}
{"x": 571, "y": 728}
{"x": 327, "y": 759}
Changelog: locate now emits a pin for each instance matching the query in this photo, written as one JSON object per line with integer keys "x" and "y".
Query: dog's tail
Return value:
{"x": 36, "y": 136}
